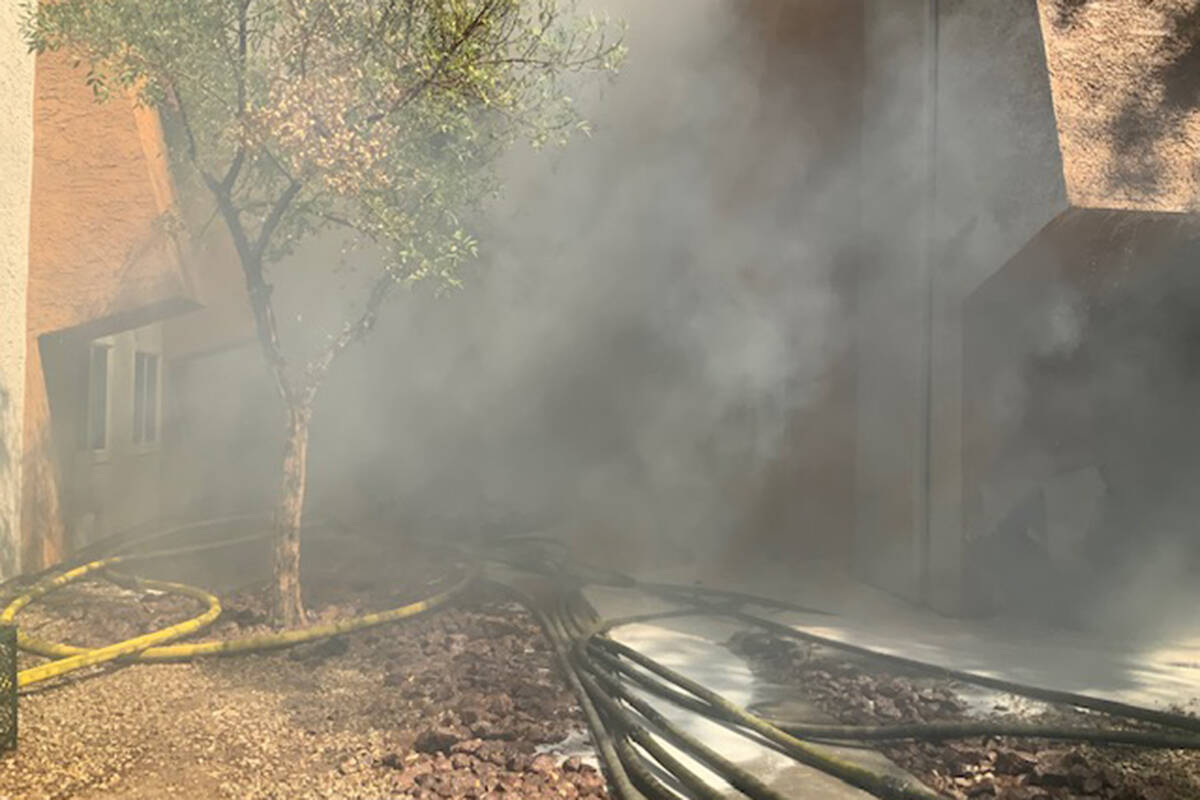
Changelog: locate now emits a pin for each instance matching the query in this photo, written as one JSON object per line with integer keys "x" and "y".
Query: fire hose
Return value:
{"x": 154, "y": 646}
{"x": 602, "y": 670}
{"x": 609, "y": 678}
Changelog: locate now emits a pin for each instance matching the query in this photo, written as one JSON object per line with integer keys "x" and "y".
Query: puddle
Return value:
{"x": 702, "y": 658}
{"x": 578, "y": 744}
{"x": 982, "y": 702}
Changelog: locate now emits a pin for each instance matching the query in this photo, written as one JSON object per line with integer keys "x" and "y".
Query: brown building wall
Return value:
{"x": 102, "y": 259}
{"x": 809, "y": 113}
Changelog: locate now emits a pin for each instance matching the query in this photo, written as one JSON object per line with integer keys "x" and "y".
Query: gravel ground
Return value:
{"x": 855, "y": 692}
{"x": 462, "y": 703}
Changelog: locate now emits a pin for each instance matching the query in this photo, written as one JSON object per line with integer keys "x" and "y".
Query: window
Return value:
{"x": 145, "y": 397}
{"x": 97, "y": 408}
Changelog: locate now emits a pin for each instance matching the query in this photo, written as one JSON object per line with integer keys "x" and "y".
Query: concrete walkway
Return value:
{"x": 1158, "y": 668}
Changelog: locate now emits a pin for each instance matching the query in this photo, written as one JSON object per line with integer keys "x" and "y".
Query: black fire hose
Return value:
{"x": 702, "y": 599}
{"x": 929, "y": 731}
{"x": 890, "y": 787}
{"x": 607, "y": 675}
{"x": 626, "y": 728}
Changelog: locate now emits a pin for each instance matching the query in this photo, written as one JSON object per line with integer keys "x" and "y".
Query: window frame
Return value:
{"x": 99, "y": 453}
{"x": 137, "y": 437}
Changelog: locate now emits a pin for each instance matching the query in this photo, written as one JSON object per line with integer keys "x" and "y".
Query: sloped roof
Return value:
{"x": 1094, "y": 254}
{"x": 1125, "y": 80}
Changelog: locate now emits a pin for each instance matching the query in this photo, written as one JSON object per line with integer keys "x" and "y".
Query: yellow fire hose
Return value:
{"x": 153, "y": 647}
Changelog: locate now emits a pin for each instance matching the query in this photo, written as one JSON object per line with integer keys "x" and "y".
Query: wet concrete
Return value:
{"x": 1159, "y": 668}
{"x": 694, "y": 646}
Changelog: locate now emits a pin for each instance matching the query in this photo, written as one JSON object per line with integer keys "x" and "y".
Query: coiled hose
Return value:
{"x": 154, "y": 646}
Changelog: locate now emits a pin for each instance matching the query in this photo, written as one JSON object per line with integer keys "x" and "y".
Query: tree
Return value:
{"x": 383, "y": 118}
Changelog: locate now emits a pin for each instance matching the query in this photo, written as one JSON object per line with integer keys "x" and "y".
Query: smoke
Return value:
{"x": 653, "y": 310}
{"x": 651, "y": 354}
{"x": 1103, "y": 385}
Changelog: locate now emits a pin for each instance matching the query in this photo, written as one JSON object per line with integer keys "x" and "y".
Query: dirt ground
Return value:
{"x": 855, "y": 692}
{"x": 462, "y": 703}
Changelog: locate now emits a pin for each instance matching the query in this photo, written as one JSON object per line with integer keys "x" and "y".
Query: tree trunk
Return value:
{"x": 288, "y": 606}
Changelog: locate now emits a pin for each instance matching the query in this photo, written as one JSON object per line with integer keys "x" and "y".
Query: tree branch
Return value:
{"x": 274, "y": 218}
{"x": 429, "y": 79}
{"x": 187, "y": 128}
{"x": 231, "y": 175}
{"x": 243, "y": 32}
{"x": 257, "y": 288}
{"x": 347, "y": 224}
{"x": 353, "y": 332}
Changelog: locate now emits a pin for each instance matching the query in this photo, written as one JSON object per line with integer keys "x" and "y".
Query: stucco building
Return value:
{"x": 95, "y": 263}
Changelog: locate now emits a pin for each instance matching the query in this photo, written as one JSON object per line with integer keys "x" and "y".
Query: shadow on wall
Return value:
{"x": 1150, "y": 129}
{"x": 1067, "y": 12}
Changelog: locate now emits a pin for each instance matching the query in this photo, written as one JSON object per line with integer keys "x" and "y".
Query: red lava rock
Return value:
{"x": 500, "y": 704}
{"x": 436, "y": 740}
{"x": 410, "y": 775}
{"x": 1051, "y": 770}
{"x": 983, "y": 788}
{"x": 467, "y": 746}
{"x": 589, "y": 779}
{"x": 1022, "y": 793}
{"x": 1012, "y": 762}
{"x": 461, "y": 784}
{"x": 886, "y": 708}
{"x": 543, "y": 763}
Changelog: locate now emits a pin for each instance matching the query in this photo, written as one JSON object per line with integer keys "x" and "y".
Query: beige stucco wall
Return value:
{"x": 16, "y": 154}
{"x": 1127, "y": 99}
